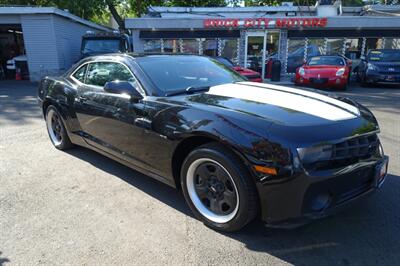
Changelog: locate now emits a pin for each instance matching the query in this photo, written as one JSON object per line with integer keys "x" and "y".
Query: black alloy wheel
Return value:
{"x": 218, "y": 188}
{"x": 56, "y": 129}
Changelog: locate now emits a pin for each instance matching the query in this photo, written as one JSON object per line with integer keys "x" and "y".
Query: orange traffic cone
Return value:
{"x": 18, "y": 74}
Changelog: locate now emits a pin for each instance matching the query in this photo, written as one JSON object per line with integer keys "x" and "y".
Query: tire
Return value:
{"x": 56, "y": 129}
{"x": 218, "y": 188}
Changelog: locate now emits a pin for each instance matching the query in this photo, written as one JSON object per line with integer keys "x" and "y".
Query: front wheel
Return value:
{"x": 56, "y": 129}
{"x": 218, "y": 188}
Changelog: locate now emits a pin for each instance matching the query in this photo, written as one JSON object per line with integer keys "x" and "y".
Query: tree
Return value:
{"x": 85, "y": 9}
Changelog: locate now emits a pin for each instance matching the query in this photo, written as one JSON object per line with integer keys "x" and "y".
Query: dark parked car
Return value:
{"x": 104, "y": 43}
{"x": 235, "y": 148}
{"x": 380, "y": 66}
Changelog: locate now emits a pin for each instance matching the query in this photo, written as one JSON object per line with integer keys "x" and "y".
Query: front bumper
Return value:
{"x": 313, "y": 195}
{"x": 375, "y": 77}
{"x": 325, "y": 82}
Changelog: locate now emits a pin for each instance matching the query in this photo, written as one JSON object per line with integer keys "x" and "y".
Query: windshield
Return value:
{"x": 172, "y": 74}
{"x": 101, "y": 46}
{"x": 225, "y": 61}
{"x": 326, "y": 61}
{"x": 384, "y": 55}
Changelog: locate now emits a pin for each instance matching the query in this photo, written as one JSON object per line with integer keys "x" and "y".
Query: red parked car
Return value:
{"x": 324, "y": 72}
{"x": 251, "y": 75}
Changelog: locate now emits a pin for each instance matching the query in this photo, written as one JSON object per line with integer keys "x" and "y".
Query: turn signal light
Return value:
{"x": 265, "y": 170}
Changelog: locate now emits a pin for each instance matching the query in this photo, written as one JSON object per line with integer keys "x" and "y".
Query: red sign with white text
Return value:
{"x": 266, "y": 23}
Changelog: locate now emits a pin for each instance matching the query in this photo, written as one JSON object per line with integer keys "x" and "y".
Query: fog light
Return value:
{"x": 337, "y": 81}
{"x": 301, "y": 80}
{"x": 321, "y": 202}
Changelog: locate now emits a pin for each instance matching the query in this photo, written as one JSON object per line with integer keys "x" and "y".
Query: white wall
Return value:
{"x": 39, "y": 40}
{"x": 52, "y": 43}
{"x": 68, "y": 40}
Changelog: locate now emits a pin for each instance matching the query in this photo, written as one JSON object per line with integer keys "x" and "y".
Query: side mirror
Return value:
{"x": 123, "y": 87}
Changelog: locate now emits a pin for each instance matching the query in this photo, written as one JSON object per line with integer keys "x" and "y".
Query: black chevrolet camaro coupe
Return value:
{"x": 236, "y": 148}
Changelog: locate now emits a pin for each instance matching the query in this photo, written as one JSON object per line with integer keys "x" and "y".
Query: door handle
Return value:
{"x": 143, "y": 123}
{"x": 81, "y": 99}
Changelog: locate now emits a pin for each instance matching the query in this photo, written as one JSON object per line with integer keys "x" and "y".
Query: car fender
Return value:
{"x": 61, "y": 94}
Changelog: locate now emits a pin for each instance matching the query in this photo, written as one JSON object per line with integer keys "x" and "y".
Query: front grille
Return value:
{"x": 319, "y": 80}
{"x": 358, "y": 147}
{"x": 354, "y": 192}
{"x": 349, "y": 152}
{"x": 341, "y": 188}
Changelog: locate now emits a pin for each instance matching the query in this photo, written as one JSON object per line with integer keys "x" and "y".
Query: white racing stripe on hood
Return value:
{"x": 321, "y": 97}
{"x": 282, "y": 99}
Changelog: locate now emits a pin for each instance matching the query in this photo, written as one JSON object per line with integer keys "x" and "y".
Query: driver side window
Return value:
{"x": 102, "y": 72}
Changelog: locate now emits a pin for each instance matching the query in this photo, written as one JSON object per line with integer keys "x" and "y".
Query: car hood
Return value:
{"x": 390, "y": 67}
{"x": 322, "y": 70}
{"x": 293, "y": 114}
{"x": 378, "y": 63}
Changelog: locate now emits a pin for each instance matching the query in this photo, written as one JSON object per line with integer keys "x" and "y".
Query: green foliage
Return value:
{"x": 262, "y": 2}
{"x": 85, "y": 9}
{"x": 100, "y": 10}
{"x": 195, "y": 3}
{"x": 352, "y": 3}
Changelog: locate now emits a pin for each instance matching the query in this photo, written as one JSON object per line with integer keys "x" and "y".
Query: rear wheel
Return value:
{"x": 56, "y": 129}
{"x": 218, "y": 188}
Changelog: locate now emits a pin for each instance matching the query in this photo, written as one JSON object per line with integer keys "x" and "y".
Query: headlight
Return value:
{"x": 340, "y": 72}
{"x": 315, "y": 154}
{"x": 302, "y": 72}
{"x": 371, "y": 67}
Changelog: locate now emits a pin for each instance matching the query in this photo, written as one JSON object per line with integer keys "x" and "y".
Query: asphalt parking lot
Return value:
{"x": 78, "y": 207}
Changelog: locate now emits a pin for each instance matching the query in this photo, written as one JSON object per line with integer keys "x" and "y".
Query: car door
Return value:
{"x": 108, "y": 120}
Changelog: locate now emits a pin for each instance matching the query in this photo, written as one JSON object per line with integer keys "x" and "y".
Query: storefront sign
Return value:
{"x": 266, "y": 23}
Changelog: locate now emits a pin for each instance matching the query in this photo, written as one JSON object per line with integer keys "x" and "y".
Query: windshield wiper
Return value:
{"x": 189, "y": 90}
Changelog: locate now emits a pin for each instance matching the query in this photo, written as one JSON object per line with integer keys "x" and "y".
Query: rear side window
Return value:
{"x": 80, "y": 74}
{"x": 102, "y": 72}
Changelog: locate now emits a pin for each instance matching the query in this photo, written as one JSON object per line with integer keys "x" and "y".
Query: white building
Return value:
{"x": 50, "y": 38}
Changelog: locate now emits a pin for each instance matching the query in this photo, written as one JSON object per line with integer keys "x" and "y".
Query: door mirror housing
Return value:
{"x": 123, "y": 87}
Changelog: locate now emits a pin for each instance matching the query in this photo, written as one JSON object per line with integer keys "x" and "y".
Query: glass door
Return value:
{"x": 261, "y": 48}
{"x": 255, "y": 51}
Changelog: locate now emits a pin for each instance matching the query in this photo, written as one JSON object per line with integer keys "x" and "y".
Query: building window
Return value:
{"x": 210, "y": 47}
{"x": 295, "y": 55}
{"x": 353, "y": 48}
{"x": 152, "y": 46}
{"x": 171, "y": 45}
{"x": 315, "y": 47}
{"x": 392, "y": 43}
{"x": 334, "y": 47}
{"x": 372, "y": 43}
{"x": 190, "y": 46}
{"x": 229, "y": 49}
